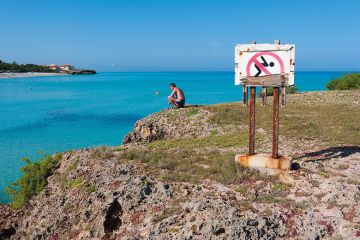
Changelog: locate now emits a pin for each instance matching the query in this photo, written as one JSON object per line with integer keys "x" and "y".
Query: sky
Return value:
{"x": 183, "y": 35}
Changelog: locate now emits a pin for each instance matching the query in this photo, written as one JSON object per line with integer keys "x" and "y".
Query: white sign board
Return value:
{"x": 264, "y": 64}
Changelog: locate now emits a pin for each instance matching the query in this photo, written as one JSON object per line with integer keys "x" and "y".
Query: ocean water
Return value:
{"x": 68, "y": 112}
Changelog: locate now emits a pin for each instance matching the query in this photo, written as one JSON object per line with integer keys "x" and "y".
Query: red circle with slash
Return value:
{"x": 260, "y": 66}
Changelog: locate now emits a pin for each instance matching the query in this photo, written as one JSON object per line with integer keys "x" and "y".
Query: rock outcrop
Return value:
{"x": 81, "y": 72}
{"x": 130, "y": 192}
{"x": 117, "y": 199}
{"x": 172, "y": 123}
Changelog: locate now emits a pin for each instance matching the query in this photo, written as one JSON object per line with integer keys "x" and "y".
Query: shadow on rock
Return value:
{"x": 112, "y": 219}
{"x": 329, "y": 153}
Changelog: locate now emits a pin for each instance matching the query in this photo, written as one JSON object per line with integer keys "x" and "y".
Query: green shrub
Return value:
{"x": 90, "y": 189}
{"x": 76, "y": 183}
{"x": 270, "y": 90}
{"x": 346, "y": 82}
{"x": 33, "y": 180}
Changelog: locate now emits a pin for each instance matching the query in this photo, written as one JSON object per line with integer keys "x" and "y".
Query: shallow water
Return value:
{"x": 66, "y": 112}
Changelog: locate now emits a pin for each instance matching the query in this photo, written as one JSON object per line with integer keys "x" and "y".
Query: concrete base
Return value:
{"x": 261, "y": 160}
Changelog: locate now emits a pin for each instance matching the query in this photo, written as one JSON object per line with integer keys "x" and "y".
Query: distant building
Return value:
{"x": 67, "y": 67}
{"x": 54, "y": 67}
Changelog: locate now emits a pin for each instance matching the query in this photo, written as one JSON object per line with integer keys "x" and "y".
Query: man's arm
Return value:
{"x": 173, "y": 93}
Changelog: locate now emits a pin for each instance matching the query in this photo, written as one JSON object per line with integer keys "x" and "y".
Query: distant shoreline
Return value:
{"x": 29, "y": 74}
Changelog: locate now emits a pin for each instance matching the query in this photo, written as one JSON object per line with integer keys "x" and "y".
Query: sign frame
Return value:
{"x": 248, "y": 57}
{"x": 276, "y": 70}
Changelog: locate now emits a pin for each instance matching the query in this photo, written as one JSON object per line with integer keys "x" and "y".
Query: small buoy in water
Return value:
{"x": 156, "y": 92}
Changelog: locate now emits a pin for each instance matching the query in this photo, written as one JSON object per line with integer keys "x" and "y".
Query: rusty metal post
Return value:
{"x": 263, "y": 96}
{"x": 275, "y": 142}
{"x": 252, "y": 121}
{"x": 283, "y": 96}
{"x": 245, "y": 95}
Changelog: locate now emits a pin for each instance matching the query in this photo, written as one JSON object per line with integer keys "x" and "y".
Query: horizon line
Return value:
{"x": 175, "y": 71}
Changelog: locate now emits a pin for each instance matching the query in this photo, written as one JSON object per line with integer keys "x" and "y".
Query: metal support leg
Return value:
{"x": 263, "y": 96}
{"x": 275, "y": 143}
{"x": 252, "y": 121}
{"x": 245, "y": 95}
{"x": 283, "y": 96}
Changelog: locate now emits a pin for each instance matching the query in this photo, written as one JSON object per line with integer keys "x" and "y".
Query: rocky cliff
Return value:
{"x": 175, "y": 178}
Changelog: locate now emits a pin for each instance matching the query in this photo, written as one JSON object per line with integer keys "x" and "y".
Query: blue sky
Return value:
{"x": 166, "y": 35}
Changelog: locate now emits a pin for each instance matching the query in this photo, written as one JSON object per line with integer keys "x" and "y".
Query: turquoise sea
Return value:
{"x": 66, "y": 112}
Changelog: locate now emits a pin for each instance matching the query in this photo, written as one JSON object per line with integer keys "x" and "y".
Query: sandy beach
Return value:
{"x": 29, "y": 74}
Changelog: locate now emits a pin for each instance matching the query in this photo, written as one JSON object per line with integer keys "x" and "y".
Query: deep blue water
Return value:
{"x": 66, "y": 112}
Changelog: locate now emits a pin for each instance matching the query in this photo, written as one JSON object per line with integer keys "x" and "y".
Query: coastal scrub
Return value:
{"x": 34, "y": 179}
{"x": 346, "y": 82}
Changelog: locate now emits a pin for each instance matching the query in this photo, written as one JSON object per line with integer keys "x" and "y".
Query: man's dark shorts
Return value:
{"x": 180, "y": 103}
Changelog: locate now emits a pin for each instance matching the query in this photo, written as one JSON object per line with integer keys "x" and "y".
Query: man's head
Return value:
{"x": 172, "y": 86}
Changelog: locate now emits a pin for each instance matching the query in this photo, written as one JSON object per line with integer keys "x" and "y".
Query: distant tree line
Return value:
{"x": 14, "y": 67}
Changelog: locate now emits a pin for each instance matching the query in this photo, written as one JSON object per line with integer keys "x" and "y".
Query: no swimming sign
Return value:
{"x": 264, "y": 64}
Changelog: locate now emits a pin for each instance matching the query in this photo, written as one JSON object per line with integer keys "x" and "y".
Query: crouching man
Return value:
{"x": 177, "y": 96}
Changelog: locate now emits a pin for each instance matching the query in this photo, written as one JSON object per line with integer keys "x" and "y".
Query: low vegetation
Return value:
{"x": 189, "y": 165}
{"x": 15, "y": 67}
{"x": 346, "y": 82}
{"x": 33, "y": 180}
{"x": 102, "y": 152}
{"x": 192, "y": 111}
{"x": 289, "y": 90}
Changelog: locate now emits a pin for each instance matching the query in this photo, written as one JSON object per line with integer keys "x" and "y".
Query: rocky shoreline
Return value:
{"x": 175, "y": 178}
{"x": 28, "y": 74}
{"x": 43, "y": 74}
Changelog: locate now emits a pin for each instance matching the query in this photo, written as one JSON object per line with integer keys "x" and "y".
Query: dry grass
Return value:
{"x": 238, "y": 139}
{"x": 181, "y": 165}
{"x": 101, "y": 152}
{"x": 331, "y": 123}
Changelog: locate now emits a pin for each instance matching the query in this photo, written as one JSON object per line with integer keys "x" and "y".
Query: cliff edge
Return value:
{"x": 175, "y": 178}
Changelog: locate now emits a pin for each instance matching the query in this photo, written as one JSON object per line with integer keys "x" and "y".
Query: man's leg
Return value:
{"x": 180, "y": 103}
{"x": 172, "y": 101}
